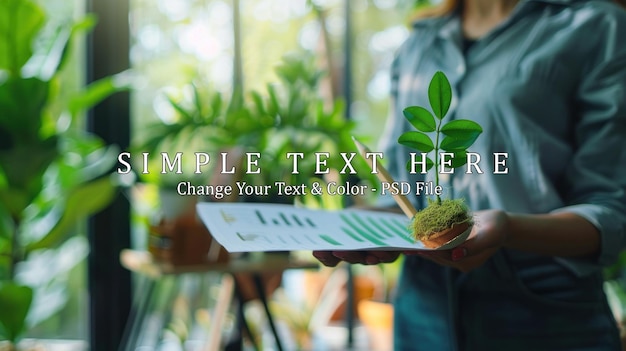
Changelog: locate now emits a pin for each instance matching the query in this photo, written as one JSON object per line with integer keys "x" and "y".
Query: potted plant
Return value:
{"x": 199, "y": 124}
{"x": 441, "y": 220}
{"x": 52, "y": 173}
{"x": 287, "y": 116}
{"x": 204, "y": 121}
{"x": 303, "y": 122}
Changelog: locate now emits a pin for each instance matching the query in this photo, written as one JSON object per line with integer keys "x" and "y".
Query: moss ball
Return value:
{"x": 439, "y": 216}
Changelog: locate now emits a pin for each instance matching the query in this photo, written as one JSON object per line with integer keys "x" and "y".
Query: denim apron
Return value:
{"x": 515, "y": 301}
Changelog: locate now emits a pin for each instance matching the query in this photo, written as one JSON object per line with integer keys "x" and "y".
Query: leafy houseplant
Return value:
{"x": 300, "y": 121}
{"x": 287, "y": 116}
{"x": 205, "y": 120}
{"x": 441, "y": 220}
{"x": 52, "y": 174}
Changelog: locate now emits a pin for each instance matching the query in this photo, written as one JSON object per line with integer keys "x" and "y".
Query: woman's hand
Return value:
{"x": 332, "y": 258}
{"x": 490, "y": 233}
{"x": 488, "y": 236}
{"x": 560, "y": 234}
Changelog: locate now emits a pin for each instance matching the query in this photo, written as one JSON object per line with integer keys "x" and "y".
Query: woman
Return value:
{"x": 546, "y": 79}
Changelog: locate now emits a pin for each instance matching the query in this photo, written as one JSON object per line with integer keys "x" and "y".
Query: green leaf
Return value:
{"x": 420, "y": 118}
{"x": 15, "y": 301}
{"x": 51, "y": 53}
{"x": 25, "y": 179}
{"x": 46, "y": 60}
{"x": 461, "y": 128}
{"x": 20, "y": 22}
{"x": 97, "y": 91}
{"x": 39, "y": 154}
{"x": 460, "y": 134}
{"x": 94, "y": 163}
{"x": 273, "y": 107}
{"x": 457, "y": 144}
{"x": 258, "y": 103}
{"x": 83, "y": 201}
{"x": 22, "y": 102}
{"x": 416, "y": 140}
{"x": 216, "y": 105}
{"x": 85, "y": 24}
{"x": 429, "y": 164}
{"x": 14, "y": 201}
{"x": 440, "y": 94}
{"x": 52, "y": 282}
{"x": 459, "y": 159}
{"x": 197, "y": 100}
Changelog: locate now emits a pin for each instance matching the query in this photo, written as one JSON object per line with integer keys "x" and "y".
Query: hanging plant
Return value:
{"x": 442, "y": 219}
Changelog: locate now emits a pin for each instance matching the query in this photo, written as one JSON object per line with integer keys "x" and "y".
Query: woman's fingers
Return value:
{"x": 351, "y": 256}
{"x": 326, "y": 258}
{"x": 376, "y": 257}
{"x": 332, "y": 258}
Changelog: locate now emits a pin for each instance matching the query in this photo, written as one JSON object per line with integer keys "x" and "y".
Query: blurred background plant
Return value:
{"x": 288, "y": 116}
{"x": 52, "y": 173}
{"x": 302, "y": 121}
{"x": 205, "y": 120}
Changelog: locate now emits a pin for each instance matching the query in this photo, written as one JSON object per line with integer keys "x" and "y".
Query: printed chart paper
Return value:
{"x": 241, "y": 227}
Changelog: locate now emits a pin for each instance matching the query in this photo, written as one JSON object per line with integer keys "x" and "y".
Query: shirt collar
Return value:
{"x": 447, "y": 26}
{"x": 443, "y": 20}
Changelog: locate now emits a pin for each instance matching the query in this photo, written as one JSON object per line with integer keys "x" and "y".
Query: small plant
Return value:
{"x": 441, "y": 220}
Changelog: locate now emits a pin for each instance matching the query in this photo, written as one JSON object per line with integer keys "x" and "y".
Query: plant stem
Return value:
{"x": 437, "y": 159}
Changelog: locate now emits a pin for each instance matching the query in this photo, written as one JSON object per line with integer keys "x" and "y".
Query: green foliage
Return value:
{"x": 287, "y": 116}
{"x": 458, "y": 135}
{"x": 205, "y": 120}
{"x": 15, "y": 301}
{"x": 52, "y": 174}
{"x": 82, "y": 200}
{"x": 438, "y": 216}
{"x": 15, "y": 45}
{"x": 302, "y": 121}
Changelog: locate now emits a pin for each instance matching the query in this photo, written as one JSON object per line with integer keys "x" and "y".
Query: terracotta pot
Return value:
{"x": 442, "y": 237}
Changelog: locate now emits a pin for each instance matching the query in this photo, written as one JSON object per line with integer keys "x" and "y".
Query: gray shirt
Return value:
{"x": 548, "y": 86}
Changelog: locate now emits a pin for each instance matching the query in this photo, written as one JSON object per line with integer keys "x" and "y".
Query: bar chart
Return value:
{"x": 241, "y": 227}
